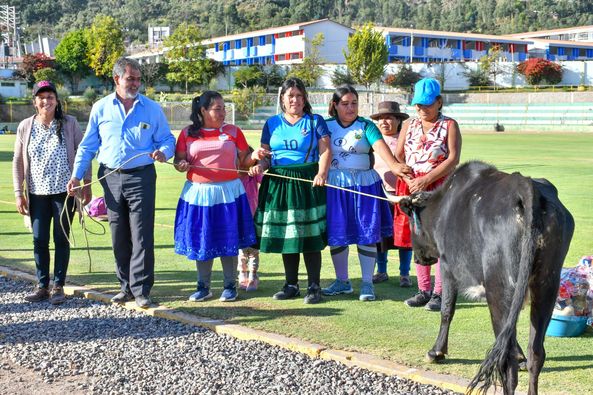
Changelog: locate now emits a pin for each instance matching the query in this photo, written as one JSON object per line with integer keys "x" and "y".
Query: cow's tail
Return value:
{"x": 495, "y": 367}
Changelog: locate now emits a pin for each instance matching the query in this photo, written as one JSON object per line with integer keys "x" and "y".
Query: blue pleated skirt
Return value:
{"x": 213, "y": 220}
{"x": 354, "y": 218}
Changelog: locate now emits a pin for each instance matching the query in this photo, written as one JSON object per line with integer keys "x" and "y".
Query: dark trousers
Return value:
{"x": 43, "y": 209}
{"x": 130, "y": 200}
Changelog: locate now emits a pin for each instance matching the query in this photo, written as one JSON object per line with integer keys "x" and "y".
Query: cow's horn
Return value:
{"x": 392, "y": 198}
{"x": 397, "y": 199}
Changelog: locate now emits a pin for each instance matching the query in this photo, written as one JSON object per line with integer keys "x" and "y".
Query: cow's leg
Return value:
{"x": 449, "y": 298}
{"x": 512, "y": 370}
{"x": 543, "y": 297}
{"x": 499, "y": 311}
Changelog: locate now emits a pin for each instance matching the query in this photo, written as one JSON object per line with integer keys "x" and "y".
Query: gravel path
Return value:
{"x": 102, "y": 348}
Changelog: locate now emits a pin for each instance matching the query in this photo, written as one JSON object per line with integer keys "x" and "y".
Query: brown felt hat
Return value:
{"x": 389, "y": 108}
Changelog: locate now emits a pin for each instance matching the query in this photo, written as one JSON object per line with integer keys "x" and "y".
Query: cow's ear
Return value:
{"x": 420, "y": 199}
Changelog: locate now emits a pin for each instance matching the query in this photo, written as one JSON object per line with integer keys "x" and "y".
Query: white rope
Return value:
{"x": 82, "y": 209}
{"x": 266, "y": 173}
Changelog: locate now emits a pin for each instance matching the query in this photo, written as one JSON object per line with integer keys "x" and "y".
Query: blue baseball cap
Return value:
{"x": 426, "y": 91}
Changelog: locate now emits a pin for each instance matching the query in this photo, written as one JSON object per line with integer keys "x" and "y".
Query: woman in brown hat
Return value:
{"x": 389, "y": 119}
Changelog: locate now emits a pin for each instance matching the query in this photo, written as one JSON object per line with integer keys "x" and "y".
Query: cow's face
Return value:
{"x": 425, "y": 251}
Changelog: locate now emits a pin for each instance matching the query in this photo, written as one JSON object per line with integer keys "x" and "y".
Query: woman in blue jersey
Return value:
{"x": 354, "y": 218}
{"x": 290, "y": 217}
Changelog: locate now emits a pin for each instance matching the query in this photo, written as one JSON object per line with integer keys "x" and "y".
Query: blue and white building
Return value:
{"x": 415, "y": 45}
{"x": 582, "y": 34}
{"x": 280, "y": 45}
{"x": 287, "y": 44}
{"x": 573, "y": 43}
{"x": 290, "y": 44}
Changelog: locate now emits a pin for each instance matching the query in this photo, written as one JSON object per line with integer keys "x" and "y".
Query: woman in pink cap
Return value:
{"x": 44, "y": 152}
{"x": 431, "y": 146}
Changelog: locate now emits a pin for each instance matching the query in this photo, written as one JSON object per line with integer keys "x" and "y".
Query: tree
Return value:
{"x": 71, "y": 57}
{"x": 273, "y": 77}
{"x": 32, "y": 63}
{"x": 367, "y": 55}
{"x": 48, "y": 74}
{"x": 477, "y": 77}
{"x": 310, "y": 69}
{"x": 248, "y": 76}
{"x": 105, "y": 45}
{"x": 152, "y": 72}
{"x": 186, "y": 57}
{"x": 489, "y": 66}
{"x": 89, "y": 95}
{"x": 213, "y": 69}
{"x": 341, "y": 76}
{"x": 405, "y": 78}
{"x": 247, "y": 99}
{"x": 538, "y": 70}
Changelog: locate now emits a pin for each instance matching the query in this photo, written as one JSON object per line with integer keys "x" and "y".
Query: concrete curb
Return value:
{"x": 361, "y": 360}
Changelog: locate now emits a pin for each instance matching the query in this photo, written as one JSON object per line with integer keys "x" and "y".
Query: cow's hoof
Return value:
{"x": 522, "y": 362}
{"x": 435, "y": 356}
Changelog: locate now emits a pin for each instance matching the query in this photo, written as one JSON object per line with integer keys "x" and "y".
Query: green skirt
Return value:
{"x": 290, "y": 216}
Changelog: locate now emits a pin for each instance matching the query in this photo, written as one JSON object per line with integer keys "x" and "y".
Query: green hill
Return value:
{"x": 233, "y": 16}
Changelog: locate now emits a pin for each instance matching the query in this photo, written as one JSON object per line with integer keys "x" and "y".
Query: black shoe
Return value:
{"x": 313, "y": 294}
{"x": 122, "y": 297}
{"x": 143, "y": 302}
{"x": 288, "y": 292}
{"x": 419, "y": 300}
{"x": 434, "y": 304}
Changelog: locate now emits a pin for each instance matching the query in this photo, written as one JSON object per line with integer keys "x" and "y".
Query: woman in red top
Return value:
{"x": 431, "y": 146}
{"x": 213, "y": 217}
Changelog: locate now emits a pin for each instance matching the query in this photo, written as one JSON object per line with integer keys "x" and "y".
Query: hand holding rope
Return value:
{"x": 74, "y": 187}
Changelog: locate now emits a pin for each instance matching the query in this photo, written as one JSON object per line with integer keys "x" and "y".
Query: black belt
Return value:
{"x": 128, "y": 171}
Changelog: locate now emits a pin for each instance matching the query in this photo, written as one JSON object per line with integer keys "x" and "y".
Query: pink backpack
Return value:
{"x": 97, "y": 208}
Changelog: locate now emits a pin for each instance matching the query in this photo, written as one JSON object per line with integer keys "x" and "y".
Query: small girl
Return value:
{"x": 389, "y": 119}
{"x": 249, "y": 256}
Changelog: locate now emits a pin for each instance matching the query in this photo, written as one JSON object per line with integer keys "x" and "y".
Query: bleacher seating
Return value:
{"x": 520, "y": 114}
{"x": 470, "y": 114}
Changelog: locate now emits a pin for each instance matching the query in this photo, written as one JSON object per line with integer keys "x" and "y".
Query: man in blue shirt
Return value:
{"x": 129, "y": 132}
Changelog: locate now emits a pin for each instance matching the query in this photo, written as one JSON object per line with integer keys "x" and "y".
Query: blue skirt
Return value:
{"x": 213, "y": 220}
{"x": 354, "y": 218}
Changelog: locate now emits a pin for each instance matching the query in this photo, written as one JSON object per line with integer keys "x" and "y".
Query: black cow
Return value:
{"x": 507, "y": 233}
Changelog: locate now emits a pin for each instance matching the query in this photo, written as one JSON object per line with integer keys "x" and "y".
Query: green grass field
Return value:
{"x": 386, "y": 328}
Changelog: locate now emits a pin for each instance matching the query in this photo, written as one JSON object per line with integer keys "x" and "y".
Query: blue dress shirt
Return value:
{"x": 118, "y": 136}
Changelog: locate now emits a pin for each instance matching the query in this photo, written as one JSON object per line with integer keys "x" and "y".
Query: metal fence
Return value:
{"x": 178, "y": 113}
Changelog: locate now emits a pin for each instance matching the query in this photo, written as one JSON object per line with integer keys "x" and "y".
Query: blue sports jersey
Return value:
{"x": 290, "y": 143}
